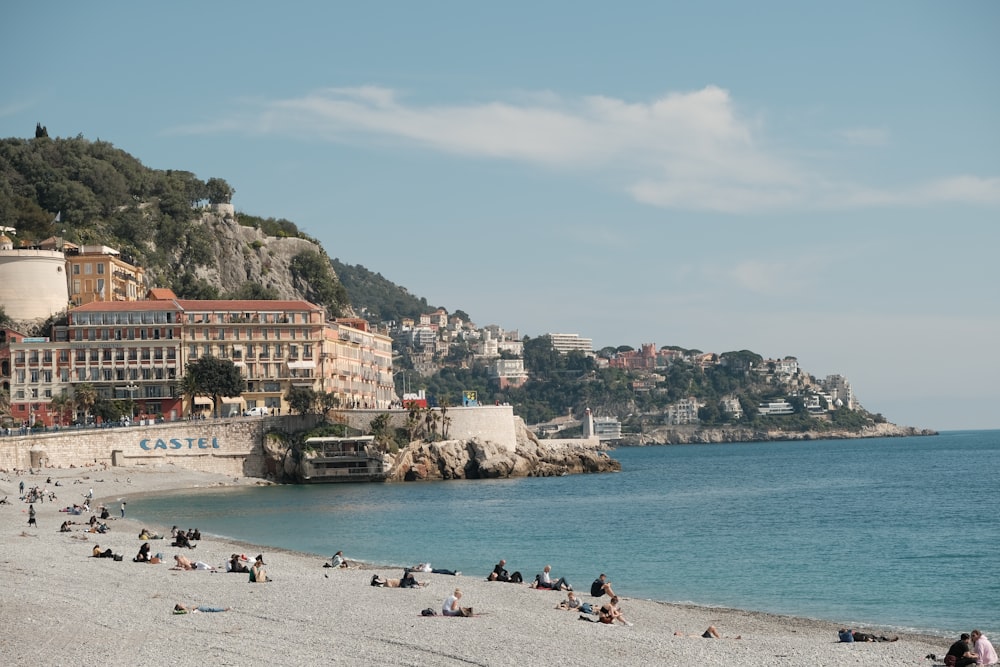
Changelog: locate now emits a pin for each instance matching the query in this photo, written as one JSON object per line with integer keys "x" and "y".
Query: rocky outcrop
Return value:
{"x": 483, "y": 459}
{"x": 681, "y": 435}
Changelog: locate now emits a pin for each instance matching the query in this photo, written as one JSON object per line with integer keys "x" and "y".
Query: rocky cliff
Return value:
{"x": 482, "y": 459}
{"x": 241, "y": 255}
{"x": 474, "y": 458}
{"x": 680, "y": 435}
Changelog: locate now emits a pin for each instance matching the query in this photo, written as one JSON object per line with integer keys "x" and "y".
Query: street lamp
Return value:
{"x": 131, "y": 388}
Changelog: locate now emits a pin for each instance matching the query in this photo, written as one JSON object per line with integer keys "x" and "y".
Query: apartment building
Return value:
{"x": 565, "y": 343}
{"x": 98, "y": 273}
{"x": 138, "y": 351}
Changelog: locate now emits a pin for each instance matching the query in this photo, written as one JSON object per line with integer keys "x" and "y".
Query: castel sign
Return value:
{"x": 149, "y": 444}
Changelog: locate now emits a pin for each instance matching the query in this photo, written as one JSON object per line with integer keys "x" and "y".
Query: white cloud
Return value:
{"x": 688, "y": 150}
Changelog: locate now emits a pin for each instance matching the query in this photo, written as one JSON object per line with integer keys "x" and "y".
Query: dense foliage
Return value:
{"x": 377, "y": 298}
{"x": 91, "y": 193}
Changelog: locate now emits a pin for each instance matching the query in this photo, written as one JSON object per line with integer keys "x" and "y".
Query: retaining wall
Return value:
{"x": 224, "y": 446}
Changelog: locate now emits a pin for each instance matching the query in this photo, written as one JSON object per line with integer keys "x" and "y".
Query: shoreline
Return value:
{"x": 66, "y": 606}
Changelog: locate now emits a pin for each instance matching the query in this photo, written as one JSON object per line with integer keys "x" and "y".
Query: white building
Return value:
{"x": 32, "y": 282}
{"x": 565, "y": 343}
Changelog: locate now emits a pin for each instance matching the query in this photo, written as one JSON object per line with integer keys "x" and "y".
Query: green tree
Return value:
{"x": 328, "y": 401}
{"x": 216, "y": 378}
{"x": 301, "y": 400}
{"x": 218, "y": 191}
{"x": 189, "y": 390}
{"x": 62, "y": 404}
{"x": 86, "y": 397}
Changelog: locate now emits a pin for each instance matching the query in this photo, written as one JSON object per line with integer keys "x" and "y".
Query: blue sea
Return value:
{"x": 896, "y": 532}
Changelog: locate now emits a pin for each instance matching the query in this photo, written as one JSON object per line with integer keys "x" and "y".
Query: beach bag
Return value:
{"x": 118, "y": 556}
{"x": 428, "y": 612}
{"x": 154, "y": 560}
{"x": 465, "y": 611}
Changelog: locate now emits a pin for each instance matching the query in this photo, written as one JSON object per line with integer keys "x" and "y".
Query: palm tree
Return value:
{"x": 189, "y": 389}
{"x": 86, "y": 397}
{"x": 5, "y": 413}
{"x": 62, "y": 404}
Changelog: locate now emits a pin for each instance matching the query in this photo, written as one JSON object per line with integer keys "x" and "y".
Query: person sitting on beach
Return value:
{"x": 601, "y": 586}
{"x": 338, "y": 560}
{"x": 983, "y": 649}
{"x": 105, "y": 514}
{"x": 235, "y": 564}
{"x": 193, "y": 609}
{"x": 181, "y": 540}
{"x": 609, "y": 613}
{"x": 143, "y": 555}
{"x": 64, "y": 528}
{"x": 451, "y": 606}
{"x": 500, "y": 573}
{"x": 196, "y": 535}
{"x": 257, "y": 573}
{"x": 960, "y": 654}
{"x": 544, "y": 580}
{"x": 572, "y": 603}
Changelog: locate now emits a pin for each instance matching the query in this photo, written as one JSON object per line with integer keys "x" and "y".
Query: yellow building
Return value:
{"x": 97, "y": 273}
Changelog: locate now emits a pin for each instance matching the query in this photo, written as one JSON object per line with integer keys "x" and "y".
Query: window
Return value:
{"x": 76, "y": 271}
{"x": 100, "y": 270}
{"x": 88, "y": 269}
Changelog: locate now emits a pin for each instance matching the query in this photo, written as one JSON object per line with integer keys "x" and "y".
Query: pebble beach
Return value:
{"x": 63, "y": 607}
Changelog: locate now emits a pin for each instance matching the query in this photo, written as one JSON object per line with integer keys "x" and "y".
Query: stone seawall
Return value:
{"x": 223, "y": 446}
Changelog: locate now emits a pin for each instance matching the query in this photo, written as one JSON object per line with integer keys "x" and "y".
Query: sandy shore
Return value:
{"x": 62, "y": 607}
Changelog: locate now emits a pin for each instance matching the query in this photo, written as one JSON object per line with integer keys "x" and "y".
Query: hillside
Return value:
{"x": 185, "y": 232}
{"x": 180, "y": 229}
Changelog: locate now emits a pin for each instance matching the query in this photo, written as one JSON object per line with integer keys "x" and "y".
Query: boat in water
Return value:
{"x": 349, "y": 459}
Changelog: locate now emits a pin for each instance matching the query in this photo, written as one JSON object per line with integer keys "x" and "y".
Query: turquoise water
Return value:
{"x": 895, "y": 532}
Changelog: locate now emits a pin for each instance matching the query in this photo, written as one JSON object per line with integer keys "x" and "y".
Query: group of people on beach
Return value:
{"x": 971, "y": 649}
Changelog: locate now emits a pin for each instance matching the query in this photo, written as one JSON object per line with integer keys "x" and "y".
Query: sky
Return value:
{"x": 819, "y": 180}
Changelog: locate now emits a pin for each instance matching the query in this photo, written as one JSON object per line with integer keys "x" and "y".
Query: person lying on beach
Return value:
{"x": 846, "y": 635}
{"x": 571, "y": 603}
{"x": 710, "y": 633}
{"x": 146, "y": 534}
{"x": 194, "y": 609}
{"x": 426, "y": 567}
{"x": 407, "y": 581}
{"x": 544, "y": 580}
{"x": 601, "y": 586}
{"x": 450, "y": 607}
{"x": 107, "y": 553}
{"x": 182, "y": 563}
